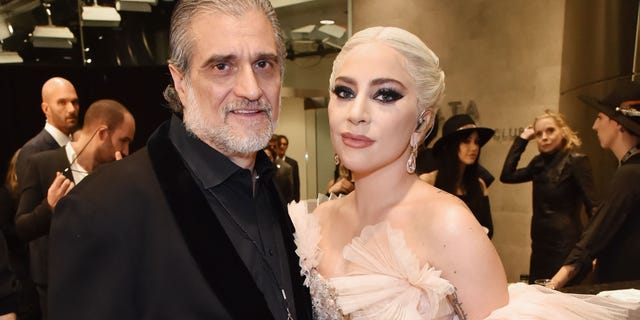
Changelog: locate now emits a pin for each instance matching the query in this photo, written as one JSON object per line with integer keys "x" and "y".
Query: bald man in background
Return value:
{"x": 107, "y": 131}
{"x": 60, "y": 105}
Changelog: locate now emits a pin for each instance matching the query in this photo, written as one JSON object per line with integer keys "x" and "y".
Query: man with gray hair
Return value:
{"x": 191, "y": 226}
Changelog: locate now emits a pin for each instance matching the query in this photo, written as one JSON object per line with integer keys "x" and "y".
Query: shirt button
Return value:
{"x": 271, "y": 252}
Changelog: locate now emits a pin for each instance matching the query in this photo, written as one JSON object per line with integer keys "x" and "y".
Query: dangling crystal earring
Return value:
{"x": 411, "y": 163}
{"x": 336, "y": 158}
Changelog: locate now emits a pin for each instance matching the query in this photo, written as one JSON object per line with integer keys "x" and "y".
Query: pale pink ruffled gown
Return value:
{"x": 387, "y": 282}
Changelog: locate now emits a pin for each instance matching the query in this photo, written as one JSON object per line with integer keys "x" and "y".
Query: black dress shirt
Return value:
{"x": 250, "y": 219}
{"x": 612, "y": 235}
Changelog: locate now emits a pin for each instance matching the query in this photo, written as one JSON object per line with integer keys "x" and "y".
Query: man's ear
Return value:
{"x": 620, "y": 127}
{"x": 178, "y": 82}
{"x": 103, "y": 132}
{"x": 45, "y": 108}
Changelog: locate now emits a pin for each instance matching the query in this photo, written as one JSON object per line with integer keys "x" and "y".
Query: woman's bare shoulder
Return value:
{"x": 445, "y": 234}
{"x": 328, "y": 209}
{"x": 440, "y": 218}
{"x": 432, "y": 204}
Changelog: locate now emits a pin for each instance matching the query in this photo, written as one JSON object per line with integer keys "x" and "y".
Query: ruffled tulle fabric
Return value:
{"x": 538, "y": 302}
{"x": 386, "y": 281}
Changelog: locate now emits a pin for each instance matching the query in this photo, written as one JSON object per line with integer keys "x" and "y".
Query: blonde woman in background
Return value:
{"x": 562, "y": 186}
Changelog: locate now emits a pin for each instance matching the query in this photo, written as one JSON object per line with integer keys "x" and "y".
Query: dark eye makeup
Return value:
{"x": 387, "y": 95}
{"x": 343, "y": 92}
{"x": 384, "y": 95}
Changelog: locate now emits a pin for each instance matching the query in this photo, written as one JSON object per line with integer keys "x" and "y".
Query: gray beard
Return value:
{"x": 224, "y": 138}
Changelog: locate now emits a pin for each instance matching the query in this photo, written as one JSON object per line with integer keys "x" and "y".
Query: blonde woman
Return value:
{"x": 397, "y": 247}
{"x": 562, "y": 186}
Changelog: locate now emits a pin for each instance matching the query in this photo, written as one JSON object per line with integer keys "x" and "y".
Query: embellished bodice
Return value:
{"x": 385, "y": 279}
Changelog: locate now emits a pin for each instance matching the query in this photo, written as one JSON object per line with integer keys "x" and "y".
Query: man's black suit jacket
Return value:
{"x": 147, "y": 245}
{"x": 33, "y": 217}
{"x": 41, "y": 142}
{"x": 296, "y": 177}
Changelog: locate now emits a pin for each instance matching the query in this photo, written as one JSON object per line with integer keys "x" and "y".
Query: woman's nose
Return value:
{"x": 358, "y": 111}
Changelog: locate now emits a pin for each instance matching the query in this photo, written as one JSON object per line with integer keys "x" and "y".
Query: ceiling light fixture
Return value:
{"x": 333, "y": 44}
{"x": 100, "y": 16}
{"x": 135, "y": 5}
{"x": 304, "y": 31}
{"x": 5, "y": 32}
{"x": 9, "y": 57}
{"x": 5, "y": 28}
{"x": 51, "y": 36}
{"x": 16, "y": 7}
{"x": 284, "y": 3}
{"x": 333, "y": 30}
{"x": 327, "y": 21}
{"x": 311, "y": 40}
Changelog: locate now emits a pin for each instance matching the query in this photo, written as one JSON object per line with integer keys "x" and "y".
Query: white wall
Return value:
{"x": 292, "y": 124}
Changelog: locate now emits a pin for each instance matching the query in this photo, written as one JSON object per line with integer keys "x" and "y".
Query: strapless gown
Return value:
{"x": 386, "y": 281}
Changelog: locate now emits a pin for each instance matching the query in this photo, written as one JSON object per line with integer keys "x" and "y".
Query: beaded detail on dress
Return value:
{"x": 323, "y": 298}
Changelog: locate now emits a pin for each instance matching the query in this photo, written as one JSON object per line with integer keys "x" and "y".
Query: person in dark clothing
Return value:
{"x": 612, "y": 235}
{"x": 191, "y": 226}
{"x": 105, "y": 136}
{"x": 342, "y": 182}
{"x": 426, "y": 161}
{"x": 17, "y": 293}
{"x": 293, "y": 193}
{"x": 61, "y": 106}
{"x": 457, "y": 153}
{"x": 28, "y": 307}
{"x": 8, "y": 295}
{"x": 562, "y": 186}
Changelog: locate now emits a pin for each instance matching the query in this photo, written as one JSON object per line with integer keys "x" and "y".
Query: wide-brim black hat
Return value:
{"x": 622, "y": 104}
{"x": 461, "y": 125}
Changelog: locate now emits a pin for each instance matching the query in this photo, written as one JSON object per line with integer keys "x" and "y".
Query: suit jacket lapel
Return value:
{"x": 48, "y": 139}
{"x": 211, "y": 248}
{"x": 301, "y": 293}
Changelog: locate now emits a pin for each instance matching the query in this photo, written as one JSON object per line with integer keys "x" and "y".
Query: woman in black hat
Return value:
{"x": 457, "y": 153}
{"x": 562, "y": 186}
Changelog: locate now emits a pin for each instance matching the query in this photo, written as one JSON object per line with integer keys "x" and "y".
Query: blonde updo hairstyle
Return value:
{"x": 421, "y": 63}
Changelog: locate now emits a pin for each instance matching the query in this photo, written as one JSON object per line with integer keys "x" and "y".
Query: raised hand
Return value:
{"x": 528, "y": 133}
{"x": 60, "y": 186}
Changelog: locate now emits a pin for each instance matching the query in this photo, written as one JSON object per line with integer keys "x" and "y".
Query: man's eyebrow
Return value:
{"x": 218, "y": 58}
{"x": 267, "y": 56}
{"x": 222, "y": 58}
